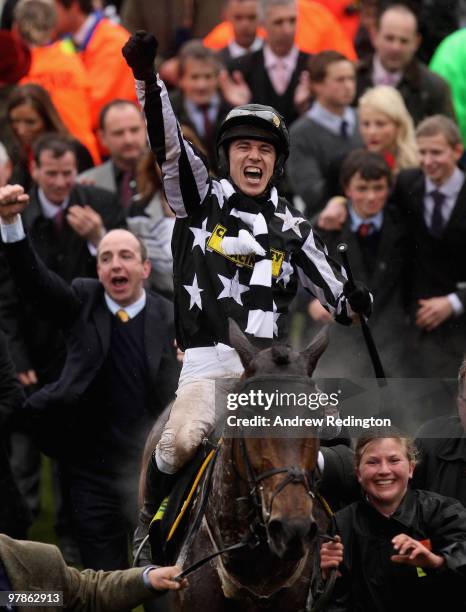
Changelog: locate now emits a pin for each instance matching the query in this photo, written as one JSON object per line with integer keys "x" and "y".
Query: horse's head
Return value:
{"x": 279, "y": 471}
{"x": 278, "y": 359}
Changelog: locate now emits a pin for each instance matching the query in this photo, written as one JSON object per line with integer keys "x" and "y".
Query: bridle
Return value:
{"x": 257, "y": 533}
{"x": 293, "y": 475}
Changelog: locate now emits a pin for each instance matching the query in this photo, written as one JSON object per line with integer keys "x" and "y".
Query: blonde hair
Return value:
{"x": 388, "y": 100}
{"x": 36, "y": 20}
{"x": 378, "y": 433}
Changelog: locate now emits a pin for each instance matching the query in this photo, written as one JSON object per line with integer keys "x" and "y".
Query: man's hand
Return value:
{"x": 318, "y": 313}
{"x": 161, "y": 578}
{"x": 27, "y": 378}
{"x": 139, "y": 52}
{"x": 87, "y": 223}
{"x": 358, "y": 296}
{"x": 333, "y": 215}
{"x": 432, "y": 312}
{"x": 302, "y": 93}
{"x": 413, "y": 552}
{"x": 13, "y": 201}
{"x": 234, "y": 88}
{"x": 331, "y": 555}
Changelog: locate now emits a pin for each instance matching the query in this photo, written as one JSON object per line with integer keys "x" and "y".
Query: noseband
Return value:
{"x": 293, "y": 475}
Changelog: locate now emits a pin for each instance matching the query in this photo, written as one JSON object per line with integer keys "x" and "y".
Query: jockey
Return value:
{"x": 238, "y": 249}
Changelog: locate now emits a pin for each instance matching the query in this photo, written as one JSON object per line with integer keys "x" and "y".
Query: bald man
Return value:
{"x": 120, "y": 372}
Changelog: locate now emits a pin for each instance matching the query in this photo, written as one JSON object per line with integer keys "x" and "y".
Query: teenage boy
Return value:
{"x": 375, "y": 236}
{"x": 198, "y": 103}
{"x": 433, "y": 199}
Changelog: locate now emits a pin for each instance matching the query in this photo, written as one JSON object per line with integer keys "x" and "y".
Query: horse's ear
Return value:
{"x": 313, "y": 352}
{"x": 238, "y": 341}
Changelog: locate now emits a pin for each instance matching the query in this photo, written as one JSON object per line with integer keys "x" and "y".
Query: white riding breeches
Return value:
{"x": 199, "y": 400}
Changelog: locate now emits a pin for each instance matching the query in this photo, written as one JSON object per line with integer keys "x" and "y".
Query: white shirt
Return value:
{"x": 49, "y": 209}
{"x": 450, "y": 189}
{"x": 197, "y": 116}
{"x": 356, "y": 220}
{"x": 380, "y": 76}
{"x": 330, "y": 121}
{"x": 236, "y": 50}
{"x": 132, "y": 310}
{"x": 273, "y": 62}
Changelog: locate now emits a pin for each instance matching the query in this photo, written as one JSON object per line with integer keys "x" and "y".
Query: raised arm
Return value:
{"x": 53, "y": 298}
{"x": 185, "y": 174}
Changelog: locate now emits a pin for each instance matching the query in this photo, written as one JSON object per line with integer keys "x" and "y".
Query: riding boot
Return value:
{"x": 158, "y": 486}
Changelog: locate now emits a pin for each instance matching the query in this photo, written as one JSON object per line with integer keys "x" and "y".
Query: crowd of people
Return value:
{"x": 164, "y": 169}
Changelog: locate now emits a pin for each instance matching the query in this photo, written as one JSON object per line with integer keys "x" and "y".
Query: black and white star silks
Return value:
{"x": 233, "y": 256}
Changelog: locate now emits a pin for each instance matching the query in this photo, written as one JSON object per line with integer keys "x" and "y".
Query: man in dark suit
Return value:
{"x": 199, "y": 104}
{"x": 243, "y": 17}
{"x": 14, "y": 515}
{"x": 65, "y": 222}
{"x": 120, "y": 371}
{"x": 123, "y": 132}
{"x": 37, "y": 567}
{"x": 433, "y": 200}
{"x": 276, "y": 74}
{"x": 375, "y": 235}
{"x": 394, "y": 63}
{"x": 442, "y": 444}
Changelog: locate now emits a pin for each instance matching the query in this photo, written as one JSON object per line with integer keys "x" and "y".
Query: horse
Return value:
{"x": 262, "y": 497}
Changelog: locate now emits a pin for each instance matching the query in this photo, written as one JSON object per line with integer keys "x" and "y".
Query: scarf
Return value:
{"x": 253, "y": 238}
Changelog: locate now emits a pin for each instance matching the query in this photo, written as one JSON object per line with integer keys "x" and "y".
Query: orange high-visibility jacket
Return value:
{"x": 317, "y": 30}
{"x": 60, "y": 71}
{"x": 348, "y": 21}
{"x": 109, "y": 74}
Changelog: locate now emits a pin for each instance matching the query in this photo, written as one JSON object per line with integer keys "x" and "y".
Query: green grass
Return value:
{"x": 42, "y": 528}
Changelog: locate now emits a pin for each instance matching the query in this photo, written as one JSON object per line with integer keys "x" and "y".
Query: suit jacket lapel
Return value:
{"x": 102, "y": 321}
{"x": 386, "y": 243}
{"x": 355, "y": 253}
{"x": 152, "y": 339}
{"x": 33, "y": 211}
{"x": 459, "y": 210}
{"x": 418, "y": 191}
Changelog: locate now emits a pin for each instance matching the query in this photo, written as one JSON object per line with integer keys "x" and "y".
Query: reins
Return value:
{"x": 258, "y": 528}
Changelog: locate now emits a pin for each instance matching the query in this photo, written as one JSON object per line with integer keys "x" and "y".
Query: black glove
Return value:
{"x": 139, "y": 53}
{"x": 358, "y": 297}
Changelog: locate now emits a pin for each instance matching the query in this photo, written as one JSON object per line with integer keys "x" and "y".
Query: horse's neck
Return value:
{"x": 226, "y": 513}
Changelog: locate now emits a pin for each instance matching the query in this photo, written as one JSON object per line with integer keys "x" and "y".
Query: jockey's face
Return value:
{"x": 252, "y": 164}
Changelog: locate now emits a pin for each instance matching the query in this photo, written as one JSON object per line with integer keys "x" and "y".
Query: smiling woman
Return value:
{"x": 395, "y": 536}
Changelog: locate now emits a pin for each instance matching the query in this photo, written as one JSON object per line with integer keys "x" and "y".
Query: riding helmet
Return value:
{"x": 254, "y": 122}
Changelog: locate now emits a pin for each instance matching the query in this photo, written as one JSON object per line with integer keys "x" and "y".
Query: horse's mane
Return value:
{"x": 281, "y": 354}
